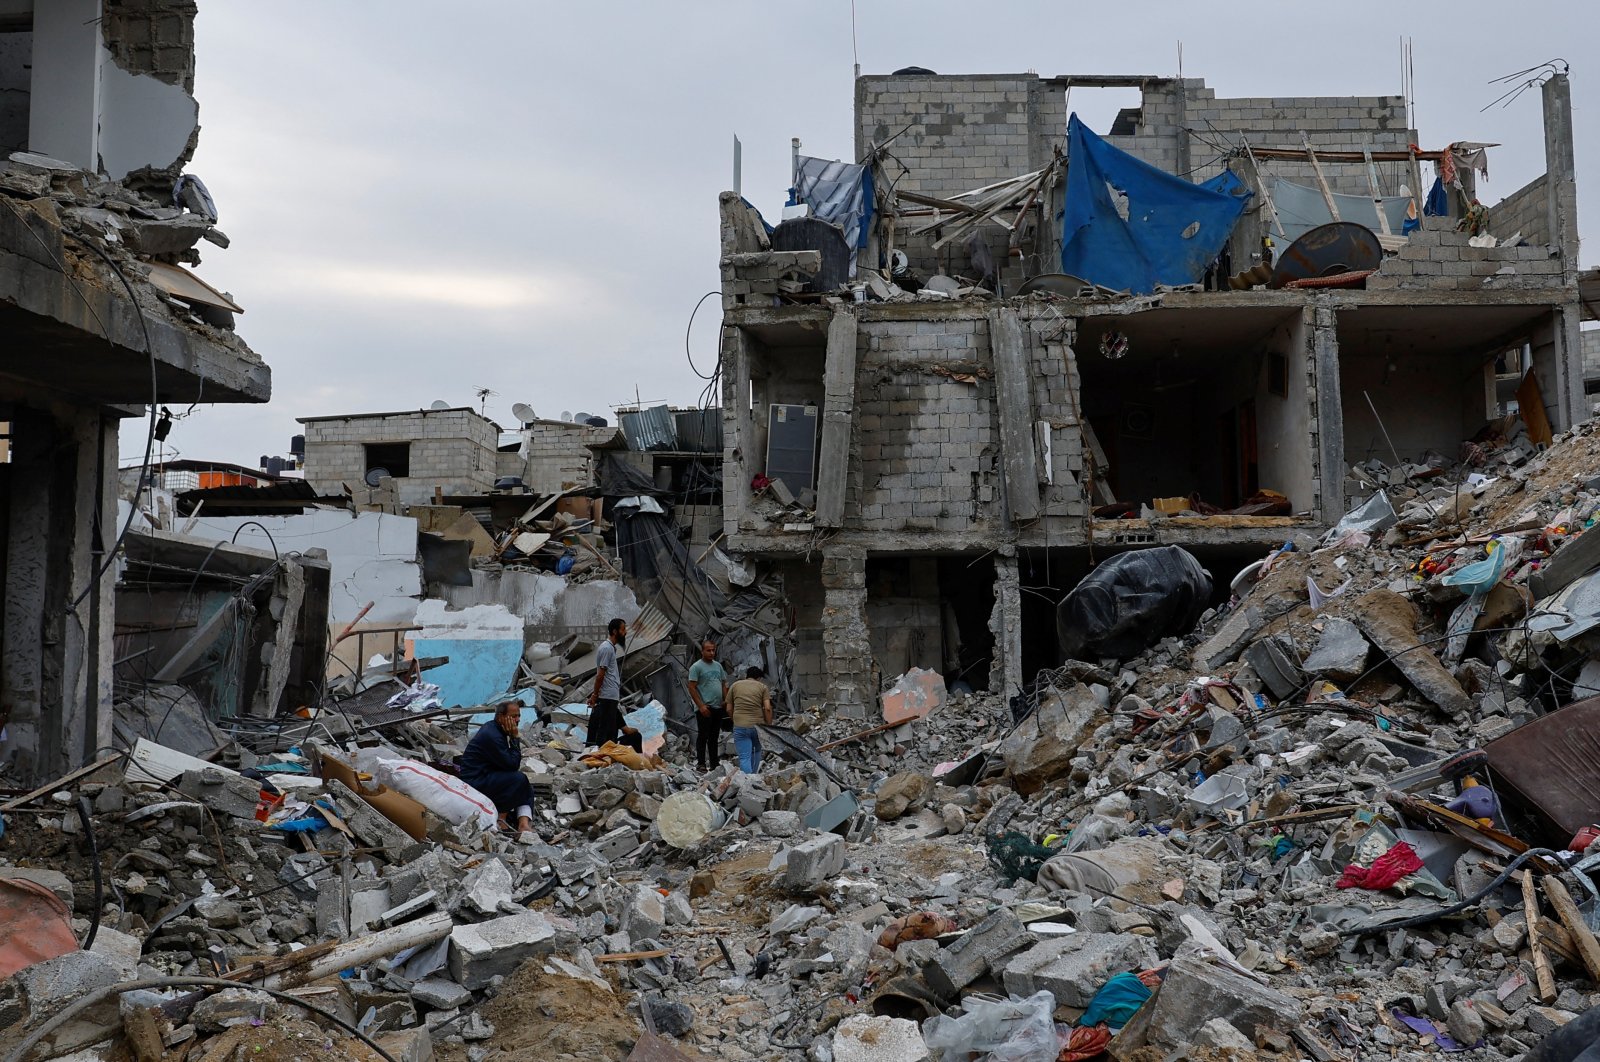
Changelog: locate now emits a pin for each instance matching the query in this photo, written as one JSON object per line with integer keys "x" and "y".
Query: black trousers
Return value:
{"x": 708, "y": 744}
{"x": 605, "y": 724}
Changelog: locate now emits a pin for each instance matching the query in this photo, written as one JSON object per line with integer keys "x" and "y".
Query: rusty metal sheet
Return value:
{"x": 1553, "y": 765}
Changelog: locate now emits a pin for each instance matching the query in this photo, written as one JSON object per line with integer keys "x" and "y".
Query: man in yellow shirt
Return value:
{"x": 750, "y": 705}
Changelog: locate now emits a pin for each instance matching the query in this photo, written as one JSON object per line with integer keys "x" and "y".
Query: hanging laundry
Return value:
{"x": 1438, "y": 204}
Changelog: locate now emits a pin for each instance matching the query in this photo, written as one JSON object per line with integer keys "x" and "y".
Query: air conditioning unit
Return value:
{"x": 792, "y": 445}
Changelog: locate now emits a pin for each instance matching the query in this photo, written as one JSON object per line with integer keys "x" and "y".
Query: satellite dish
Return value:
{"x": 375, "y": 476}
{"x": 580, "y": 418}
{"x": 566, "y": 415}
{"x": 523, "y": 412}
{"x": 439, "y": 403}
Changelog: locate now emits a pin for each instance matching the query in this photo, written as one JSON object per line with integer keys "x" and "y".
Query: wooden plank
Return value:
{"x": 839, "y": 386}
{"x": 1015, "y": 400}
{"x": 1377, "y": 192}
{"x": 60, "y": 783}
{"x": 1541, "y": 962}
{"x": 1583, "y": 940}
{"x": 631, "y": 956}
{"x": 1322, "y": 182}
{"x": 1261, "y": 183}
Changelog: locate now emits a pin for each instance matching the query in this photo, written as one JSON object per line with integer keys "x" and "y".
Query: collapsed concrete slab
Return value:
{"x": 1195, "y": 992}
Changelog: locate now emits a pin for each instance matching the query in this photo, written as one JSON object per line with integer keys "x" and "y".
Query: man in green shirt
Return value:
{"x": 706, "y": 678}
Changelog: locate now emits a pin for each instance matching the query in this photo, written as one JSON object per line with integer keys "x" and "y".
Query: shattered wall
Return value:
{"x": 556, "y": 454}
{"x": 1525, "y": 211}
{"x": 1438, "y": 256}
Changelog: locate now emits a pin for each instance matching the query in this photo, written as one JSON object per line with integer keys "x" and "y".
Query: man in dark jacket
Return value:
{"x": 492, "y": 764}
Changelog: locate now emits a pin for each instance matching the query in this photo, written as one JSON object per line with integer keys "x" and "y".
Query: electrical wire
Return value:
{"x": 689, "y": 328}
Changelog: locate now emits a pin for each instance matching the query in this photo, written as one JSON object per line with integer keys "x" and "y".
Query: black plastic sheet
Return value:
{"x": 1132, "y": 601}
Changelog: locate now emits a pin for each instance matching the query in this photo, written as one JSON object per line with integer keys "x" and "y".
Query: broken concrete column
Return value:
{"x": 1391, "y": 622}
{"x": 846, "y": 643}
{"x": 1005, "y": 623}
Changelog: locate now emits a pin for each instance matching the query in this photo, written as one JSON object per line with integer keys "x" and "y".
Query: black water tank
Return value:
{"x": 297, "y": 445}
{"x": 814, "y": 234}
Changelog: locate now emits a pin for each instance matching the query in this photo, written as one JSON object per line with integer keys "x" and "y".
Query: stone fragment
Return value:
{"x": 678, "y": 910}
{"x": 671, "y": 1019}
{"x": 440, "y": 994}
{"x": 1230, "y": 639}
{"x": 487, "y": 886}
{"x": 982, "y": 948}
{"x": 901, "y": 793}
{"x": 1277, "y": 665}
{"x": 53, "y": 880}
{"x": 1220, "y": 1035}
{"x": 645, "y": 915}
{"x": 230, "y": 1007}
{"x": 955, "y": 819}
{"x": 481, "y": 952}
{"x": 780, "y": 823}
{"x": 1072, "y": 968}
{"x": 1193, "y": 993}
{"x": 1041, "y": 749}
{"x": 865, "y": 1038}
{"x": 1465, "y": 1023}
{"x": 814, "y": 862}
{"x": 1341, "y": 652}
{"x": 616, "y": 843}
{"x": 407, "y": 1045}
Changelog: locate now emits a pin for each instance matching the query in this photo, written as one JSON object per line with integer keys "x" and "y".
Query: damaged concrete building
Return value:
{"x": 101, "y": 322}
{"x": 956, "y": 461}
{"x": 451, "y": 449}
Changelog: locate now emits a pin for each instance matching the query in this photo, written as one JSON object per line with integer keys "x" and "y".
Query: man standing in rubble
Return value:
{"x": 706, "y": 679}
{"x": 750, "y": 705}
{"x": 605, "y": 713}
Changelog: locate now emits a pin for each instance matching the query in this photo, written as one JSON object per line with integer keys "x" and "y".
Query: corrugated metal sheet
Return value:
{"x": 650, "y": 429}
{"x": 651, "y": 626}
{"x": 700, "y": 430}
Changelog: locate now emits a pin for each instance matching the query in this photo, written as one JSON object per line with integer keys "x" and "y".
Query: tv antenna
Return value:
{"x": 484, "y": 394}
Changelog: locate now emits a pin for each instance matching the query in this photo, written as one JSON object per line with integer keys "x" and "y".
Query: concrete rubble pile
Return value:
{"x": 1235, "y": 845}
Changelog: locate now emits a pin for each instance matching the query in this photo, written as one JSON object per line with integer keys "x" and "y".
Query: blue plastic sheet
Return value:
{"x": 1169, "y": 231}
{"x": 839, "y": 193}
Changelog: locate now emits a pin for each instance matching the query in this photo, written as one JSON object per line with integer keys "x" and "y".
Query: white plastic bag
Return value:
{"x": 1018, "y": 1030}
{"x": 445, "y": 795}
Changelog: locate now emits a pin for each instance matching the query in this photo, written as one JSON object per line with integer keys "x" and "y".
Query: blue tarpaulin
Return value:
{"x": 837, "y": 192}
{"x": 1166, "y": 230}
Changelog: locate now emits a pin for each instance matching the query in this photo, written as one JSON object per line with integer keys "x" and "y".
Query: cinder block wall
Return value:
{"x": 1526, "y": 211}
{"x": 454, "y": 449}
{"x": 1334, "y": 123}
{"x": 558, "y": 454}
{"x": 1591, "y": 353}
{"x": 153, "y": 37}
{"x": 1438, "y": 256}
{"x": 927, "y": 443}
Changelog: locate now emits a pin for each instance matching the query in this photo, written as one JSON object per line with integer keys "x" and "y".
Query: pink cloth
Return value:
{"x": 1387, "y": 869}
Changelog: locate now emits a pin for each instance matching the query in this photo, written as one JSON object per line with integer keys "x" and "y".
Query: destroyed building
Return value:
{"x": 103, "y": 321}
{"x": 453, "y": 449}
{"x": 956, "y": 461}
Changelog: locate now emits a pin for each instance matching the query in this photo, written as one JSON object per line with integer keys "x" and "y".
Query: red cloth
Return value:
{"x": 1387, "y": 869}
{"x": 1085, "y": 1043}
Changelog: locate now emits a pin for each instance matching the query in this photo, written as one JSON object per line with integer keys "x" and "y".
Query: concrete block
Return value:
{"x": 1072, "y": 968}
{"x": 645, "y": 916}
{"x": 865, "y": 1038}
{"x": 981, "y": 949}
{"x": 814, "y": 862}
{"x": 1278, "y": 665}
{"x": 408, "y": 1045}
{"x": 479, "y": 953}
{"x": 439, "y": 994}
{"x": 1226, "y": 644}
{"x": 1196, "y": 992}
{"x": 487, "y": 886}
{"x": 1341, "y": 652}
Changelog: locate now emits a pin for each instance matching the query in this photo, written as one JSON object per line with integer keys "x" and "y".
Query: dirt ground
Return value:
{"x": 554, "y": 1018}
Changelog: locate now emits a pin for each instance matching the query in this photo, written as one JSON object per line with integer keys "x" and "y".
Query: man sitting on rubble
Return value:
{"x": 605, "y": 713}
{"x": 707, "y": 676}
{"x": 750, "y": 705}
{"x": 492, "y": 764}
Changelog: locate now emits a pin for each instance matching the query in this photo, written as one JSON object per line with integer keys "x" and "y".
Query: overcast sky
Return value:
{"x": 426, "y": 199}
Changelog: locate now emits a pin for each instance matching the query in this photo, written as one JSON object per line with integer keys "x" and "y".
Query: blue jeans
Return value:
{"x": 747, "y": 740}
